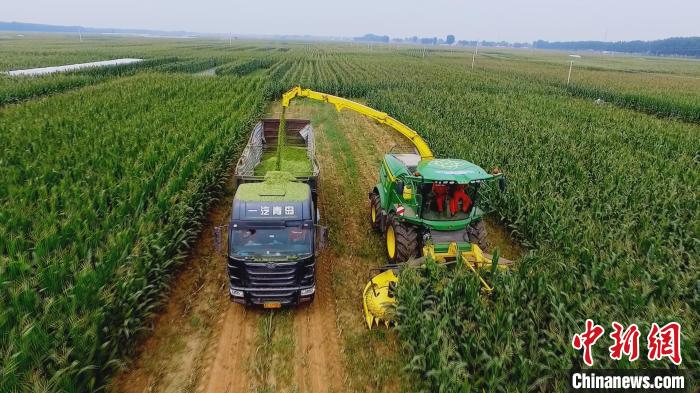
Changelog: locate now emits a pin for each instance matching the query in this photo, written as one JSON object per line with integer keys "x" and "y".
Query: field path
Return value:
{"x": 204, "y": 343}
{"x": 228, "y": 370}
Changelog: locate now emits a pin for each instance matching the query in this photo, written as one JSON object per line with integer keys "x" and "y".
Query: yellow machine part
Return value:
{"x": 340, "y": 103}
{"x": 390, "y": 241}
{"x": 474, "y": 259}
{"x": 377, "y": 299}
{"x": 379, "y": 302}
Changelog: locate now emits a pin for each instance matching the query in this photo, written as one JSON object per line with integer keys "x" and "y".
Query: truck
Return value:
{"x": 274, "y": 236}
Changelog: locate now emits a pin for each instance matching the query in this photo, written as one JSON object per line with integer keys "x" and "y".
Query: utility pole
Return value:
{"x": 571, "y": 65}
{"x": 476, "y": 50}
{"x": 80, "y": 34}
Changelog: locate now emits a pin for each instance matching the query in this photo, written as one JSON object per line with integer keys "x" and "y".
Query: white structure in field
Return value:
{"x": 571, "y": 65}
{"x": 70, "y": 67}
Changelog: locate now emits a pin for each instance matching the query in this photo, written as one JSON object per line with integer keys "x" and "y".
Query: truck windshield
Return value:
{"x": 267, "y": 242}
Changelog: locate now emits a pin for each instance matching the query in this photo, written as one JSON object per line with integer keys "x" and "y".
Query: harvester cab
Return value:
{"x": 435, "y": 202}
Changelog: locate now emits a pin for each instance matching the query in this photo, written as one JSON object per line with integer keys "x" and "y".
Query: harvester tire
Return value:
{"x": 375, "y": 212}
{"x": 477, "y": 234}
{"x": 405, "y": 241}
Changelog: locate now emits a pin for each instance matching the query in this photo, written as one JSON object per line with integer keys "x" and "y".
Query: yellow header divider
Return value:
{"x": 381, "y": 117}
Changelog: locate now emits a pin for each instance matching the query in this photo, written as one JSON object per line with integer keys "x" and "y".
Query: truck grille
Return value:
{"x": 276, "y": 274}
{"x": 271, "y": 281}
{"x": 272, "y": 274}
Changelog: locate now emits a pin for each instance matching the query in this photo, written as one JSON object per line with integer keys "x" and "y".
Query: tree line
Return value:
{"x": 682, "y": 46}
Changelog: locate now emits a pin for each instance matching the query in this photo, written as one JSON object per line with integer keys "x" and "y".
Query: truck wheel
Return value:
{"x": 401, "y": 241}
{"x": 375, "y": 211}
{"x": 477, "y": 234}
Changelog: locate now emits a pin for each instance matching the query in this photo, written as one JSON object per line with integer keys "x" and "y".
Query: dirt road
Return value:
{"x": 204, "y": 343}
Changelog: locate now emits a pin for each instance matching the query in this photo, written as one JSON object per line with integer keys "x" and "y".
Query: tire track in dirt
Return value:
{"x": 318, "y": 355}
{"x": 350, "y": 147}
{"x": 228, "y": 370}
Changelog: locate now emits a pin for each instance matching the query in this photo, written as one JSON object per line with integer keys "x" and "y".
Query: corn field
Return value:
{"x": 101, "y": 197}
{"x": 606, "y": 199}
{"x": 107, "y": 174}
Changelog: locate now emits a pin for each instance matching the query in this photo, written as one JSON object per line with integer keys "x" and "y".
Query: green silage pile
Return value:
{"x": 294, "y": 160}
{"x": 277, "y": 187}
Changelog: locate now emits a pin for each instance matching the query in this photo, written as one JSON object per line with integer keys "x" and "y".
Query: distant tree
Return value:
{"x": 450, "y": 39}
{"x": 684, "y": 46}
{"x": 373, "y": 38}
{"x": 467, "y": 43}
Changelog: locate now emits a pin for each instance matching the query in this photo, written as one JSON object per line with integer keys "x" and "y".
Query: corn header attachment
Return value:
{"x": 378, "y": 297}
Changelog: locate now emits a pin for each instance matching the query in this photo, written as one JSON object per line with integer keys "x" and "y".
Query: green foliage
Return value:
{"x": 654, "y": 105}
{"x": 278, "y": 186}
{"x": 19, "y": 88}
{"x": 281, "y": 140}
{"x": 660, "y": 87}
{"x": 101, "y": 193}
{"x": 676, "y": 46}
{"x": 605, "y": 196}
{"x": 189, "y": 66}
{"x": 246, "y": 67}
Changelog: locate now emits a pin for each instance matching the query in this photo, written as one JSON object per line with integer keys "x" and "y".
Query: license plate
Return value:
{"x": 272, "y": 305}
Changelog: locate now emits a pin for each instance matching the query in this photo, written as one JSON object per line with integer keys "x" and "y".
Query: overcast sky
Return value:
{"x": 509, "y": 20}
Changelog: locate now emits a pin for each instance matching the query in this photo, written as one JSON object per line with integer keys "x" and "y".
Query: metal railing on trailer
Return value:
{"x": 301, "y": 132}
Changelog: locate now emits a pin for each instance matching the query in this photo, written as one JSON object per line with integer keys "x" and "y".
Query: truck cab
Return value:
{"x": 273, "y": 241}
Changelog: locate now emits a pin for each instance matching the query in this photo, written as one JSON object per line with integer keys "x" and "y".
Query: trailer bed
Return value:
{"x": 259, "y": 155}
